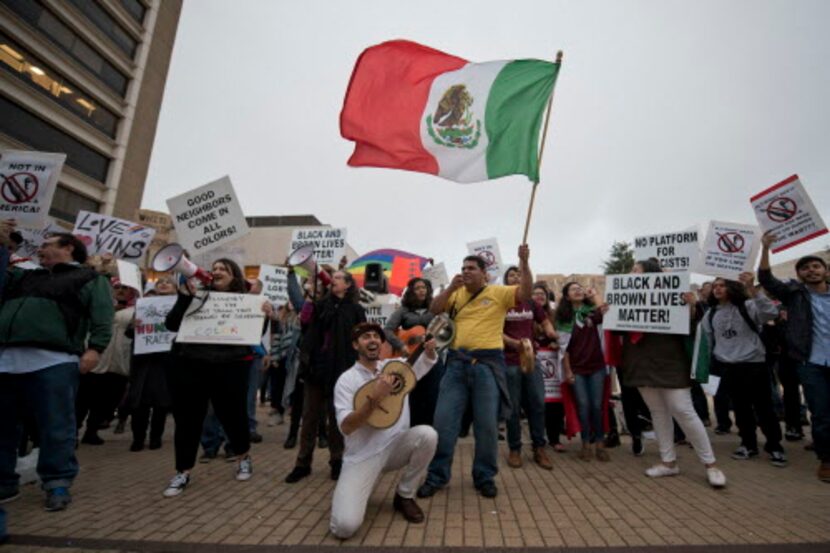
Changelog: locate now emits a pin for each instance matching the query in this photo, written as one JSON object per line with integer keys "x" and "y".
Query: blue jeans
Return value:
{"x": 815, "y": 380}
{"x": 589, "y": 389}
{"x": 462, "y": 381}
{"x": 213, "y": 435}
{"x": 49, "y": 396}
{"x": 253, "y": 387}
{"x": 531, "y": 388}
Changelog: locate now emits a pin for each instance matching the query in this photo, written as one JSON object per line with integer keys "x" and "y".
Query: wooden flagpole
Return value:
{"x": 541, "y": 151}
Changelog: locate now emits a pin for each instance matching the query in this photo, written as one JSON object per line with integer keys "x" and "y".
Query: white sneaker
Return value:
{"x": 716, "y": 477}
{"x": 272, "y": 418}
{"x": 245, "y": 469}
{"x": 177, "y": 485}
{"x": 660, "y": 470}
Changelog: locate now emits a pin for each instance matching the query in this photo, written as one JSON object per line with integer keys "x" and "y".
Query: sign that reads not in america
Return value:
{"x": 648, "y": 302}
{"x": 27, "y": 184}
{"x": 329, "y": 243}
{"x": 208, "y": 216}
{"x": 787, "y": 211}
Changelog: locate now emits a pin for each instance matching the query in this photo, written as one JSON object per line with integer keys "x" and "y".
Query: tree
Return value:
{"x": 620, "y": 260}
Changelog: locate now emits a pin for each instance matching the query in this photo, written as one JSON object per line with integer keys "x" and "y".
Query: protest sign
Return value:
{"x": 787, "y": 211}
{"x": 130, "y": 275}
{"x": 647, "y": 302}
{"x": 33, "y": 238}
{"x": 223, "y": 318}
{"x": 379, "y": 313}
{"x": 151, "y": 336}
{"x": 27, "y": 184}
{"x": 163, "y": 225}
{"x": 676, "y": 251}
{"x": 729, "y": 250}
{"x": 119, "y": 237}
{"x": 329, "y": 243}
{"x": 488, "y": 250}
{"x": 208, "y": 216}
{"x": 274, "y": 284}
{"x": 437, "y": 275}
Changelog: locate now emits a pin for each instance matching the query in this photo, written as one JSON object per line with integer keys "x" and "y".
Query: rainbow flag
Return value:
{"x": 398, "y": 266}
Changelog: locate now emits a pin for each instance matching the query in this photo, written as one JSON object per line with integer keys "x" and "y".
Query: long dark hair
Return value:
{"x": 237, "y": 284}
{"x": 735, "y": 293}
{"x": 542, "y": 285}
{"x": 565, "y": 309}
{"x": 507, "y": 272}
{"x": 410, "y": 300}
{"x": 352, "y": 294}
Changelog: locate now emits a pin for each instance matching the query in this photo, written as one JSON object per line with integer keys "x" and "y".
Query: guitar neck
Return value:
{"x": 419, "y": 350}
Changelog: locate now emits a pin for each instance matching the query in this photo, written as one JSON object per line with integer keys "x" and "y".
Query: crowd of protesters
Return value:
{"x": 68, "y": 370}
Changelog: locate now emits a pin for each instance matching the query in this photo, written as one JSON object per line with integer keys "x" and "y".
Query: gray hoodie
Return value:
{"x": 735, "y": 342}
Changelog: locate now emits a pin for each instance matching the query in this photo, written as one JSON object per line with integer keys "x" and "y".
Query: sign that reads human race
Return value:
{"x": 729, "y": 250}
{"x": 676, "y": 251}
{"x": 274, "y": 284}
{"x": 208, "y": 216}
{"x": 329, "y": 243}
{"x": 649, "y": 302}
{"x": 787, "y": 211}
{"x": 27, "y": 185}
{"x": 151, "y": 335}
{"x": 223, "y": 318}
{"x": 104, "y": 234}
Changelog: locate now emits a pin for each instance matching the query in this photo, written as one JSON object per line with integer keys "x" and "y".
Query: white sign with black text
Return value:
{"x": 274, "y": 284}
{"x": 729, "y": 250}
{"x": 380, "y": 313}
{"x": 489, "y": 251}
{"x": 329, "y": 243}
{"x": 27, "y": 184}
{"x": 223, "y": 318}
{"x": 676, "y": 251}
{"x": 151, "y": 336}
{"x": 104, "y": 234}
{"x": 436, "y": 275}
{"x": 647, "y": 302}
{"x": 787, "y": 211}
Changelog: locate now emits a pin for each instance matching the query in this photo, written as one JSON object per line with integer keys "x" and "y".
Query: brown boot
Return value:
{"x": 541, "y": 458}
{"x": 824, "y": 471}
{"x": 408, "y": 508}
{"x": 586, "y": 452}
{"x": 602, "y": 453}
{"x": 514, "y": 459}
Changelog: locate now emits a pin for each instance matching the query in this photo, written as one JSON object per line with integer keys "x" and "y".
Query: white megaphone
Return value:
{"x": 304, "y": 257}
{"x": 172, "y": 258}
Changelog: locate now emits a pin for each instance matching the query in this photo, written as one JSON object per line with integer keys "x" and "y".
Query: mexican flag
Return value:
{"x": 411, "y": 107}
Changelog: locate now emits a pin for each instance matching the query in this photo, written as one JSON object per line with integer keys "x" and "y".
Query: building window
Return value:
{"x": 32, "y": 71}
{"x": 136, "y": 10}
{"x": 107, "y": 25}
{"x": 40, "y": 135}
{"x": 53, "y": 29}
{"x": 67, "y": 203}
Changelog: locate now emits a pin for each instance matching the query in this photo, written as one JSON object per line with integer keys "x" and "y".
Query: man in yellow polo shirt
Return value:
{"x": 475, "y": 370}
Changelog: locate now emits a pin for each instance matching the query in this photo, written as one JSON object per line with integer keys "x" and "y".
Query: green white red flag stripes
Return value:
{"x": 411, "y": 107}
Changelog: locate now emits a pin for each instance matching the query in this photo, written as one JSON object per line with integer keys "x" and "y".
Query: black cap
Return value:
{"x": 362, "y": 328}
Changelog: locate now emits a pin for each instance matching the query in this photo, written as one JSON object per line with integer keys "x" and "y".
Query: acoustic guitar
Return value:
{"x": 390, "y": 408}
{"x": 411, "y": 339}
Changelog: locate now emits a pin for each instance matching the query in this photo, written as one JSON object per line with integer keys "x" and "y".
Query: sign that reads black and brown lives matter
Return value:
{"x": 329, "y": 243}
{"x": 208, "y": 216}
{"x": 650, "y": 302}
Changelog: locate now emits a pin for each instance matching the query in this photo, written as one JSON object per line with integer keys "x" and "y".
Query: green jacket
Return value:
{"x": 66, "y": 309}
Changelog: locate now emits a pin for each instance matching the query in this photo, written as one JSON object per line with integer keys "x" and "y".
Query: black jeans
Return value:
{"x": 141, "y": 419}
{"x": 276, "y": 377}
{"x": 192, "y": 384}
{"x": 98, "y": 396}
{"x": 788, "y": 376}
{"x": 554, "y": 420}
{"x": 748, "y": 385}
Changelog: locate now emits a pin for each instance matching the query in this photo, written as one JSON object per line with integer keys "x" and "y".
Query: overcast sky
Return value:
{"x": 666, "y": 114}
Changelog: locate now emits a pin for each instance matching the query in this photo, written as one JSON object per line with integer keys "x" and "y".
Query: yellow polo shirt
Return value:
{"x": 480, "y": 324}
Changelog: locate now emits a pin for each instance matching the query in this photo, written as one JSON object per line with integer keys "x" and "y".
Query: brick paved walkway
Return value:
{"x": 118, "y": 504}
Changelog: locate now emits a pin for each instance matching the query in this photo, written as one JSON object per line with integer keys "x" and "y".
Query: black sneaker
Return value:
{"x": 137, "y": 446}
{"x": 637, "y": 447}
{"x": 57, "y": 499}
{"x": 793, "y": 434}
{"x": 230, "y": 456}
{"x": 256, "y": 437}
{"x": 297, "y": 474}
{"x": 290, "y": 442}
{"x": 92, "y": 438}
{"x": 488, "y": 489}
{"x": 743, "y": 453}
{"x": 8, "y": 497}
{"x": 427, "y": 490}
{"x": 207, "y": 457}
{"x": 778, "y": 459}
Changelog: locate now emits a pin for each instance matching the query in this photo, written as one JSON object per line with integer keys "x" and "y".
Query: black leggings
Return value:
{"x": 192, "y": 384}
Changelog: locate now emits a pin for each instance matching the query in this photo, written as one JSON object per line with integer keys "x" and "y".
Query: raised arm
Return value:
{"x": 439, "y": 302}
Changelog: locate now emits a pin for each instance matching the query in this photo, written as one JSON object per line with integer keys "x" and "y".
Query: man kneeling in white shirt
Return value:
{"x": 370, "y": 451}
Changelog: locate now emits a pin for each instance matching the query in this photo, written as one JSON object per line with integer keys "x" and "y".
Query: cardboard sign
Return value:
{"x": 729, "y": 250}
{"x": 130, "y": 275}
{"x": 119, "y": 237}
{"x": 223, "y": 318}
{"x": 437, "y": 275}
{"x": 208, "y": 216}
{"x": 647, "y": 302}
{"x": 676, "y": 251}
{"x": 163, "y": 225}
{"x": 489, "y": 251}
{"x": 787, "y": 211}
{"x": 33, "y": 238}
{"x": 329, "y": 243}
{"x": 27, "y": 184}
{"x": 151, "y": 336}
{"x": 274, "y": 284}
{"x": 379, "y": 313}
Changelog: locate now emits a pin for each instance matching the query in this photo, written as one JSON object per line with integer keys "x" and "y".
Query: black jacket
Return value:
{"x": 796, "y": 298}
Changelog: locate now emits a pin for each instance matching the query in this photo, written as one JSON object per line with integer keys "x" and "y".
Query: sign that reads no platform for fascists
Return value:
{"x": 676, "y": 251}
{"x": 329, "y": 243}
{"x": 208, "y": 216}
{"x": 27, "y": 184}
{"x": 649, "y": 302}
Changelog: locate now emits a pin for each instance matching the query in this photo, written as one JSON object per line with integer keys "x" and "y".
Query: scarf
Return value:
{"x": 580, "y": 314}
